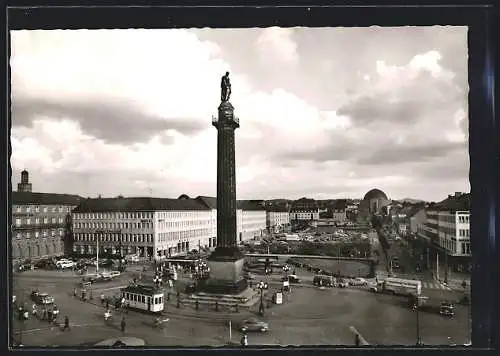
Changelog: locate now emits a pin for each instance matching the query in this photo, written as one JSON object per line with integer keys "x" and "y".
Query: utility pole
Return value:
{"x": 437, "y": 265}
{"x": 417, "y": 310}
{"x": 97, "y": 254}
{"x": 446, "y": 266}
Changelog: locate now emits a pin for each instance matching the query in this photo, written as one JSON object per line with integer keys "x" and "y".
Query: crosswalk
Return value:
{"x": 434, "y": 285}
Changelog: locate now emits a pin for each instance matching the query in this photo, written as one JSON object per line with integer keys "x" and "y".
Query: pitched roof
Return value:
{"x": 138, "y": 204}
{"x": 209, "y": 202}
{"x": 30, "y": 198}
{"x": 457, "y": 202}
{"x": 277, "y": 209}
{"x": 250, "y": 205}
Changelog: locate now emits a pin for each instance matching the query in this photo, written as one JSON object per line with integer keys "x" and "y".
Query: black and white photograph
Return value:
{"x": 261, "y": 186}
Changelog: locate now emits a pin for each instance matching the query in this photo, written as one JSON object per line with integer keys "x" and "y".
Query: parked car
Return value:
{"x": 42, "y": 298}
{"x": 63, "y": 264}
{"x": 341, "y": 283}
{"x": 447, "y": 309}
{"x": 25, "y": 267}
{"x": 107, "y": 276}
{"x": 291, "y": 278}
{"x": 132, "y": 258}
{"x": 358, "y": 282}
{"x": 323, "y": 280}
{"x": 253, "y": 324}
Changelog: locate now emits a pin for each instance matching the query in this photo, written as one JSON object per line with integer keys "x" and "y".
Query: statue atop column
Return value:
{"x": 225, "y": 88}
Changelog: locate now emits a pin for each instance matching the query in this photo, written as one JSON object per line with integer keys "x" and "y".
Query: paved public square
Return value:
{"x": 308, "y": 316}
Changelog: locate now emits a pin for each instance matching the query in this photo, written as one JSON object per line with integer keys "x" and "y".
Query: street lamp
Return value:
{"x": 464, "y": 286}
{"x": 416, "y": 308}
{"x": 262, "y": 286}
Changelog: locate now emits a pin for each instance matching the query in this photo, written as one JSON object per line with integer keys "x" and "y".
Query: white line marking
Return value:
{"x": 56, "y": 327}
{"x": 111, "y": 288}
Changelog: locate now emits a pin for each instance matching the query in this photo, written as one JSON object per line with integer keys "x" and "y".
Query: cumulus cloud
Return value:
{"x": 129, "y": 111}
{"x": 277, "y": 43}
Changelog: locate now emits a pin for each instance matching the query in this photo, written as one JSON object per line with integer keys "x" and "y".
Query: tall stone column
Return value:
{"x": 226, "y": 262}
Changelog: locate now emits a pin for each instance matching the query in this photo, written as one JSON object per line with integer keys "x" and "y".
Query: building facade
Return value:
{"x": 417, "y": 220}
{"x": 277, "y": 219}
{"x": 148, "y": 227}
{"x": 156, "y": 227}
{"x": 297, "y": 214}
{"x": 250, "y": 220}
{"x": 339, "y": 211}
{"x": 447, "y": 229}
{"x": 41, "y": 222}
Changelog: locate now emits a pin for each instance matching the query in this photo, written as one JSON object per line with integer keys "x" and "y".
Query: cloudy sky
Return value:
{"x": 324, "y": 113}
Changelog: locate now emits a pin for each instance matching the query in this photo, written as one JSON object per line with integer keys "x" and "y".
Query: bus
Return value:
{"x": 402, "y": 286}
{"x": 146, "y": 298}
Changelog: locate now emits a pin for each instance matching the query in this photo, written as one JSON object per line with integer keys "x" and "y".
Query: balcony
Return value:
{"x": 215, "y": 120}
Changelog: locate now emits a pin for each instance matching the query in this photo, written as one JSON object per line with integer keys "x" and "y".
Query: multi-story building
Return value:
{"x": 417, "y": 219}
{"x": 339, "y": 211}
{"x": 156, "y": 227}
{"x": 41, "y": 222}
{"x": 297, "y": 214}
{"x": 251, "y": 220}
{"x": 149, "y": 227}
{"x": 277, "y": 219}
{"x": 447, "y": 230}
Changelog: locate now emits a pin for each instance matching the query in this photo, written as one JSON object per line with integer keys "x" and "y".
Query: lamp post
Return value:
{"x": 416, "y": 308}
{"x": 464, "y": 286}
{"x": 262, "y": 286}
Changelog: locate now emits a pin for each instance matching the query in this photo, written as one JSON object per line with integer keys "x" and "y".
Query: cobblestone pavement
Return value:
{"x": 308, "y": 316}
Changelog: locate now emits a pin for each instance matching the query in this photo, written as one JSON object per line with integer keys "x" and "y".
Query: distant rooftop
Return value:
{"x": 121, "y": 204}
{"x": 29, "y": 198}
{"x": 457, "y": 202}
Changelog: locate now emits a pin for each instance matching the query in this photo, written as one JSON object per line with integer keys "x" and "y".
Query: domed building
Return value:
{"x": 373, "y": 202}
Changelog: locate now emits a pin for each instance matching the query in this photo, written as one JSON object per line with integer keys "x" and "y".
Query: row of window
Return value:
{"x": 465, "y": 248}
{"x": 464, "y": 232}
{"x": 193, "y": 215}
{"x": 175, "y": 235}
{"x": 113, "y": 225}
{"x": 45, "y": 209}
{"x": 186, "y": 223}
{"x": 143, "y": 238}
{"x": 45, "y": 220}
{"x": 37, "y": 234}
{"x": 113, "y": 215}
{"x": 463, "y": 219}
{"x": 142, "y": 298}
{"x": 462, "y": 248}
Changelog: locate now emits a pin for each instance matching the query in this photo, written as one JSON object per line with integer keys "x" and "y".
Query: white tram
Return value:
{"x": 146, "y": 298}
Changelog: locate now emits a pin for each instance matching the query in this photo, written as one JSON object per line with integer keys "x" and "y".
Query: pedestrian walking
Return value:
{"x": 107, "y": 303}
{"x": 103, "y": 299}
{"x": 66, "y": 323}
{"x": 123, "y": 325}
{"x": 244, "y": 340}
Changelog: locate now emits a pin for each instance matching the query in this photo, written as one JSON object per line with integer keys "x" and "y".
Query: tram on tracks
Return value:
{"x": 143, "y": 297}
